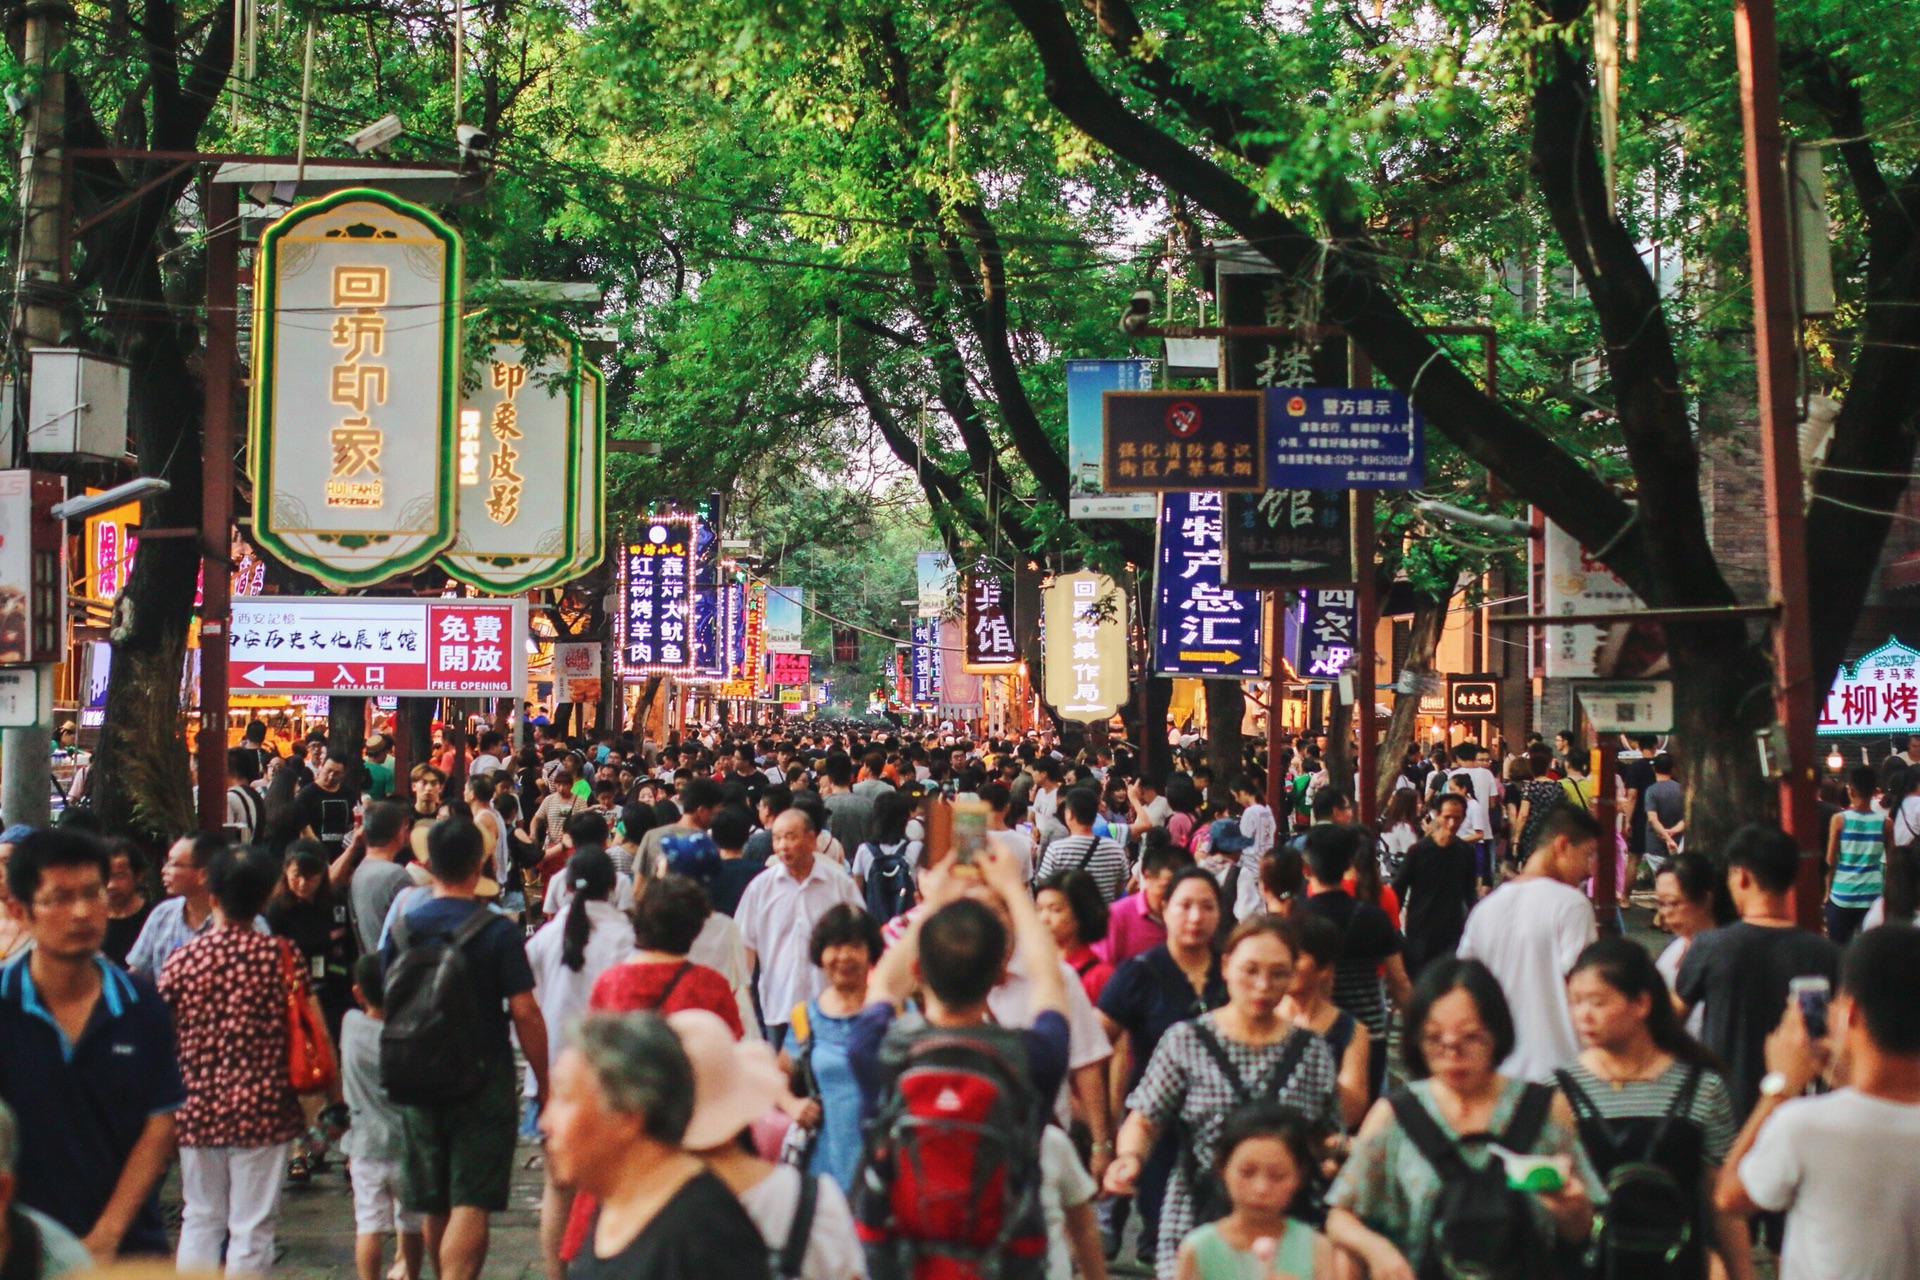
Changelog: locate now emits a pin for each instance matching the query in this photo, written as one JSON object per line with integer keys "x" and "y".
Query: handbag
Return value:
{"x": 310, "y": 1063}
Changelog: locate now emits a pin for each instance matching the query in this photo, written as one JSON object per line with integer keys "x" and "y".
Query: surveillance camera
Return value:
{"x": 474, "y": 141}
{"x": 18, "y": 100}
{"x": 376, "y": 135}
{"x": 1139, "y": 311}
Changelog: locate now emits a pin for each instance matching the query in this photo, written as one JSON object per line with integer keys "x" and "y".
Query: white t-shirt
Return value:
{"x": 1485, "y": 785}
{"x": 560, "y": 894}
{"x": 1064, "y": 1184}
{"x": 719, "y": 948}
{"x": 1020, "y": 845}
{"x": 1668, "y": 963}
{"x": 1087, "y": 1043}
{"x": 1842, "y": 1168}
{"x": 561, "y": 992}
{"x": 1529, "y": 932}
{"x": 833, "y": 1252}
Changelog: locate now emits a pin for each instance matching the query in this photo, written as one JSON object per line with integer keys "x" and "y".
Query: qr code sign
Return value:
{"x": 1625, "y": 712}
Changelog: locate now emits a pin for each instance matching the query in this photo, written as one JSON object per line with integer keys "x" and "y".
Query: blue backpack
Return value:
{"x": 889, "y": 887}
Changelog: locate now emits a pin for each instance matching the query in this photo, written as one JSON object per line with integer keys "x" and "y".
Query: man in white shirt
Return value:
{"x": 1841, "y": 1165}
{"x": 1530, "y": 931}
{"x": 492, "y": 742}
{"x": 1258, "y": 826}
{"x": 777, "y": 913}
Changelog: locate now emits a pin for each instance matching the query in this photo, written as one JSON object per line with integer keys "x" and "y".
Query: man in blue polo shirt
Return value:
{"x": 87, "y": 1057}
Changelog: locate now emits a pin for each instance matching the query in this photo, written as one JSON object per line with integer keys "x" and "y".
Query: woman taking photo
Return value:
{"x": 1071, "y": 907}
{"x": 1203, "y": 1069}
{"x": 1644, "y": 1092}
{"x": 1310, "y": 1004}
{"x": 1383, "y": 1205}
{"x": 1683, "y": 893}
{"x": 1146, "y": 997}
{"x": 845, "y": 945}
{"x": 623, "y": 1094}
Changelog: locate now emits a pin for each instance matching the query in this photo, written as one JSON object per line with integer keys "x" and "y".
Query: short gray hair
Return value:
{"x": 9, "y": 1140}
{"x": 641, "y": 1068}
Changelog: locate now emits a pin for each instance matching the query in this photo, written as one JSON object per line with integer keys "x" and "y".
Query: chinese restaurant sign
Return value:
{"x": 1289, "y": 538}
{"x": 516, "y": 495}
{"x": 1086, "y": 645}
{"x": 1201, "y": 626}
{"x": 746, "y": 680}
{"x": 356, "y": 345}
{"x": 654, "y": 627}
{"x": 368, "y": 645}
{"x": 1343, "y": 438}
{"x": 1878, "y": 694}
{"x": 789, "y": 668}
{"x": 926, "y": 661}
{"x": 990, "y": 646}
{"x": 1171, "y": 440}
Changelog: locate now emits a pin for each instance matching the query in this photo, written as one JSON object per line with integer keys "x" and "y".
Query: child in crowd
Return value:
{"x": 1265, "y": 1152}
{"x": 374, "y": 1142}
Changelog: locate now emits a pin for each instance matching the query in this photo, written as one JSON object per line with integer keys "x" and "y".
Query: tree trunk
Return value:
{"x": 347, "y": 737}
{"x": 1429, "y": 620}
{"x": 1226, "y": 707}
{"x": 1339, "y": 731}
{"x": 413, "y": 722}
{"x": 1723, "y": 694}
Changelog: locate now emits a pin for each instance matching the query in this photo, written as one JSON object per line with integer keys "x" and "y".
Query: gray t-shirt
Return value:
{"x": 376, "y": 883}
{"x": 849, "y": 818}
{"x": 1668, "y": 802}
{"x": 375, "y": 1133}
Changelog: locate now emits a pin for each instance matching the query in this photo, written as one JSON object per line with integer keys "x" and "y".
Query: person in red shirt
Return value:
{"x": 1075, "y": 914}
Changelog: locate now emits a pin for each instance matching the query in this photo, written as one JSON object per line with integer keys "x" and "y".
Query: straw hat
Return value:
{"x": 487, "y": 888}
{"x": 734, "y": 1082}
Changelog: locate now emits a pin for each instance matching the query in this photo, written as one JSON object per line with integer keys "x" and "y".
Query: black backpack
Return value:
{"x": 889, "y": 886}
{"x": 432, "y": 1044}
{"x": 1482, "y": 1228}
{"x": 790, "y": 1258}
{"x": 1649, "y": 1217}
{"x": 1204, "y": 1190}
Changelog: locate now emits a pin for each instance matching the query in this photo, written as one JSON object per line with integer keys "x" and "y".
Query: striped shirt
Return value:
{"x": 1856, "y": 868}
{"x": 1711, "y": 1109}
{"x": 1098, "y": 856}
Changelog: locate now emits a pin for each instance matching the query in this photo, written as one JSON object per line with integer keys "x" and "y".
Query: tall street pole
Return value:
{"x": 26, "y": 762}
{"x": 218, "y": 382}
{"x": 1774, "y": 339}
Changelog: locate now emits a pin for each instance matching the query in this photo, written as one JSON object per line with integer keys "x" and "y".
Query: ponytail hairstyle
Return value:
{"x": 1628, "y": 968}
{"x": 590, "y": 875}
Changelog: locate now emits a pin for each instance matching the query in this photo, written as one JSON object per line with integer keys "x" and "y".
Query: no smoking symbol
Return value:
{"x": 1183, "y": 418}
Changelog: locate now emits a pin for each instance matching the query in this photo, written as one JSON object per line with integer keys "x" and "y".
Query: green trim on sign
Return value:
{"x": 261, "y": 426}
{"x": 595, "y": 489}
{"x": 562, "y": 568}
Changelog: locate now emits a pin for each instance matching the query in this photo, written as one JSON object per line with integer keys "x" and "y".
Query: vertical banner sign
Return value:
{"x": 959, "y": 687}
{"x": 846, "y": 644}
{"x": 1085, "y": 663}
{"x": 1289, "y": 538}
{"x": 656, "y": 599}
{"x": 518, "y": 525}
{"x": 590, "y": 474}
{"x": 1201, "y": 626}
{"x": 990, "y": 646}
{"x": 934, "y": 576}
{"x": 33, "y": 578}
{"x": 1343, "y": 438}
{"x": 746, "y": 676}
{"x": 1322, "y": 644}
{"x": 783, "y": 622}
{"x": 1087, "y": 381}
{"x": 926, "y": 656}
{"x": 356, "y": 375}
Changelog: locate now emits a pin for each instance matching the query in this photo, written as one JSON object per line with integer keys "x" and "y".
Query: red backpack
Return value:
{"x": 949, "y": 1182}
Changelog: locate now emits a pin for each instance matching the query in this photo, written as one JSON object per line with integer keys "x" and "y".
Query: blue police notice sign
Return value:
{"x": 1343, "y": 438}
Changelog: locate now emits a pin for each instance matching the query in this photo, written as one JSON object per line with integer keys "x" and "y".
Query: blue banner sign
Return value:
{"x": 1343, "y": 438}
{"x": 1201, "y": 627}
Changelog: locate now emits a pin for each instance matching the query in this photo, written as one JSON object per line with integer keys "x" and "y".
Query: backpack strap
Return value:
{"x": 793, "y": 1254}
{"x": 674, "y": 981}
{"x": 1529, "y": 1118}
{"x": 1577, "y": 1098}
{"x": 1427, "y": 1136}
{"x": 1218, "y": 1052}
{"x": 1298, "y": 1042}
{"x": 471, "y": 927}
{"x": 1086, "y": 966}
{"x": 1682, "y": 1103}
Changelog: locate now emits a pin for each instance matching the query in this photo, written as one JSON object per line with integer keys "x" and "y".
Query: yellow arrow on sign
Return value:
{"x": 1209, "y": 655}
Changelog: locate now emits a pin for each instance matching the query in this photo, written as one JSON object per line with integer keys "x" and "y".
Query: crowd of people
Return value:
{"x": 768, "y": 1016}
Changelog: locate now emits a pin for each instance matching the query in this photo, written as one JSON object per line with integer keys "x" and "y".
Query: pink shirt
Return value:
{"x": 1130, "y": 930}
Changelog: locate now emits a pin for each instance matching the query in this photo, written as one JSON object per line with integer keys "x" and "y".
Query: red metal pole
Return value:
{"x": 1276, "y": 689}
{"x": 216, "y": 494}
{"x": 1366, "y": 767}
{"x": 1774, "y": 339}
{"x": 1606, "y": 872}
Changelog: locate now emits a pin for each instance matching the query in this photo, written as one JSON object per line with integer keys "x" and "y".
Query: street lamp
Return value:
{"x": 121, "y": 494}
{"x": 1835, "y": 761}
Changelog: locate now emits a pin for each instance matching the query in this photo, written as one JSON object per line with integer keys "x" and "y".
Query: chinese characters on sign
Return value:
{"x": 1085, "y": 674}
{"x": 1321, "y": 646}
{"x": 363, "y": 644}
{"x": 357, "y": 385}
{"x": 1878, "y": 694}
{"x": 1474, "y": 697}
{"x": 926, "y": 661}
{"x": 353, "y": 410}
{"x": 1574, "y": 582}
{"x": 1343, "y": 438}
{"x": 1175, "y": 440}
{"x": 990, "y": 646}
{"x": 748, "y": 675}
{"x": 1289, "y": 538}
{"x": 518, "y": 524}
{"x": 656, "y": 594}
{"x": 789, "y": 668}
{"x": 1201, "y": 627}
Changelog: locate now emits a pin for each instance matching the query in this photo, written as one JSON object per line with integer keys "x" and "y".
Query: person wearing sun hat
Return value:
{"x": 804, "y": 1218}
